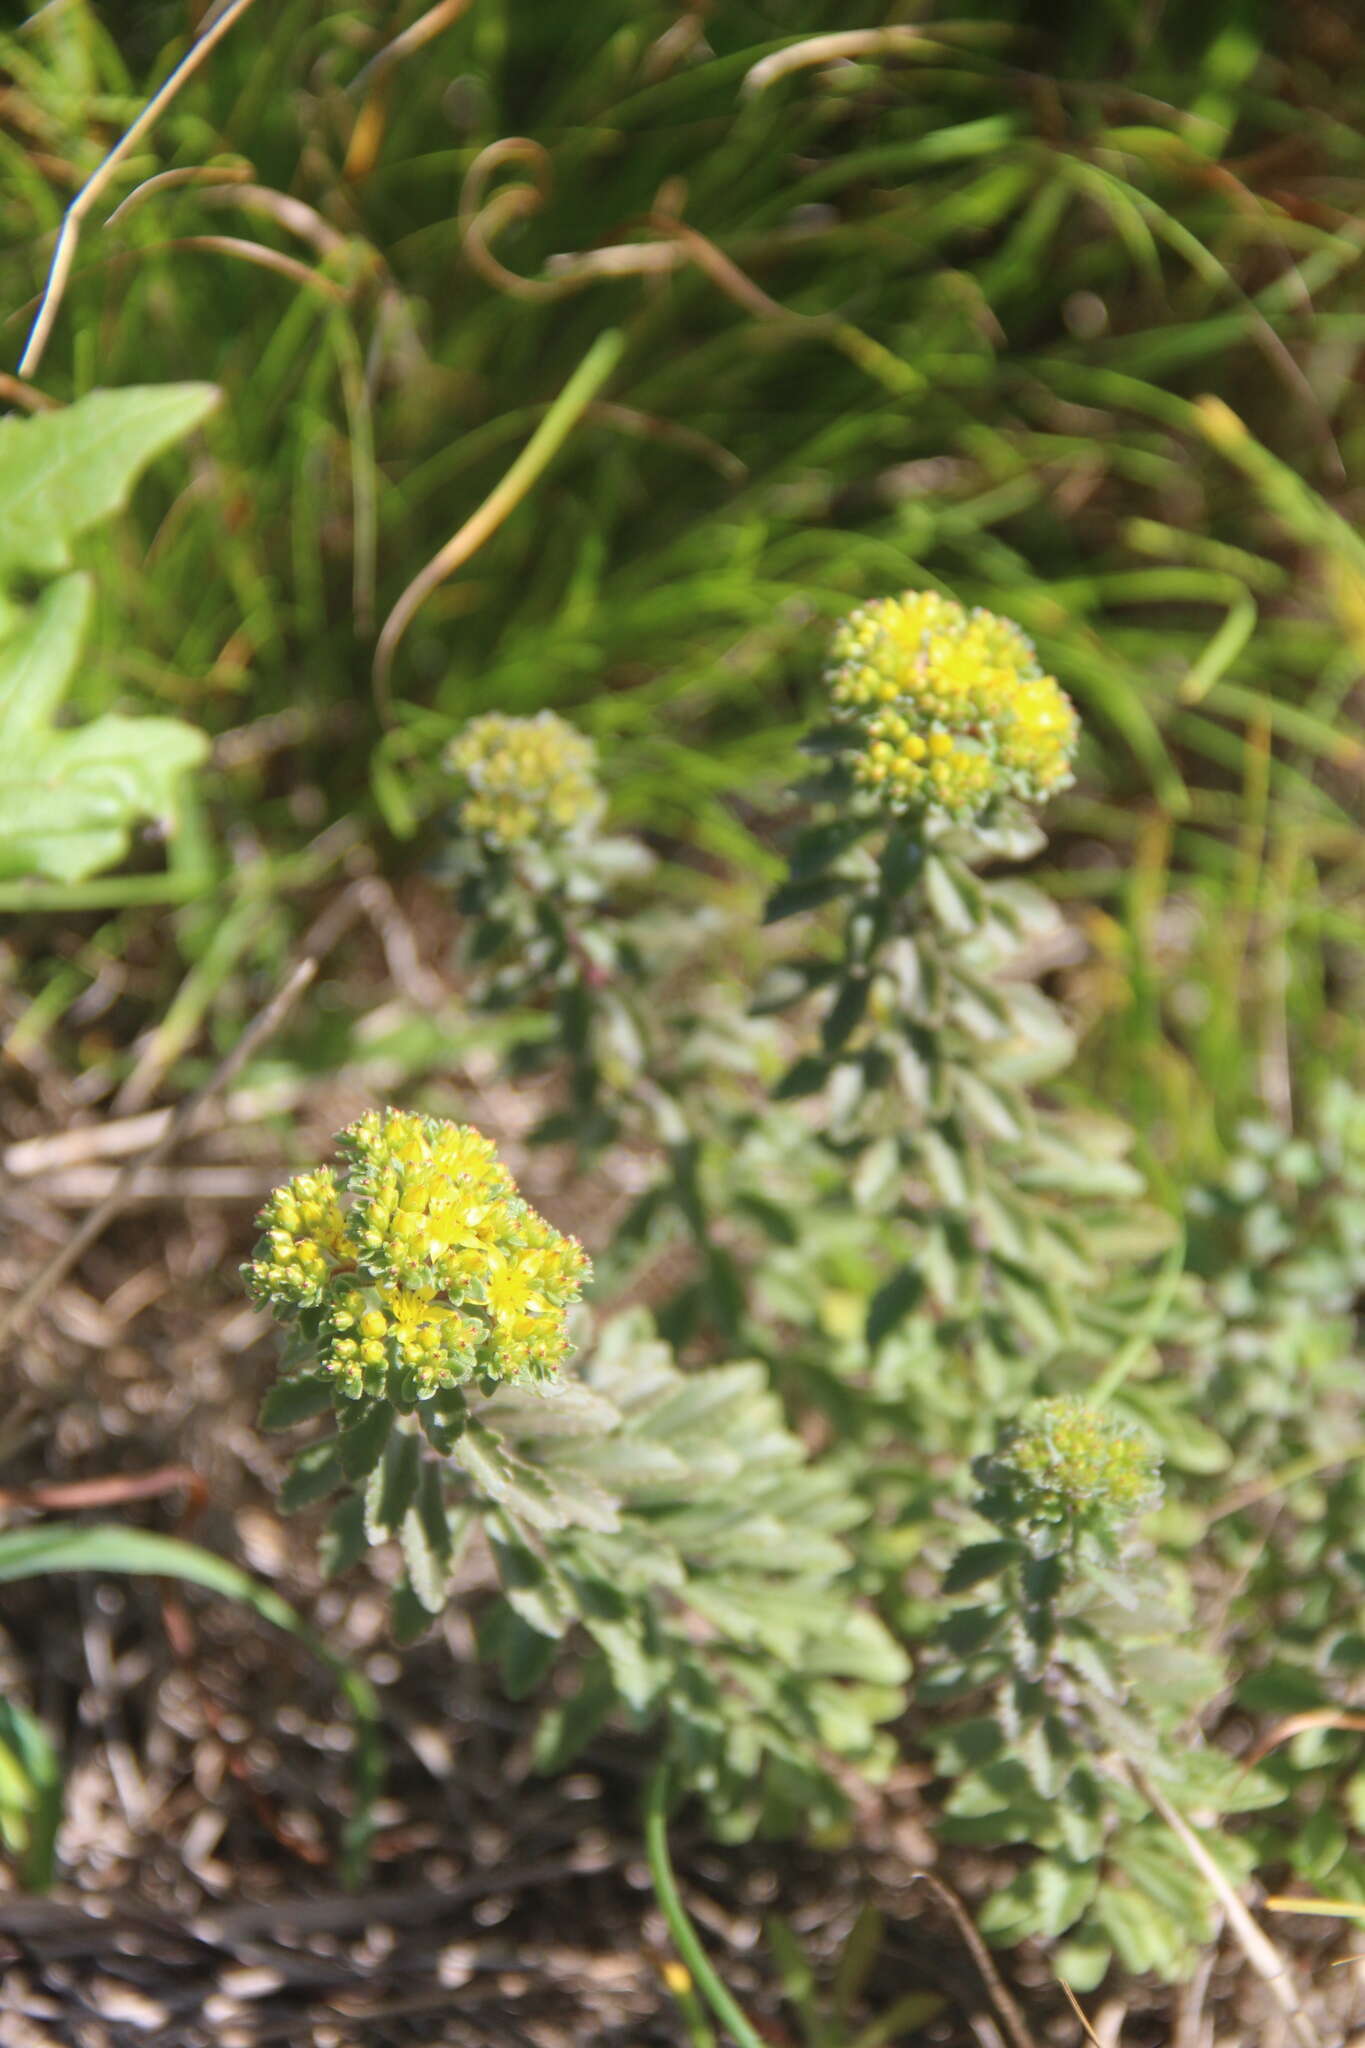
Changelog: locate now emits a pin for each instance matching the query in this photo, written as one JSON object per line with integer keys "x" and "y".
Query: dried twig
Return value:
{"x": 111, "y": 1490}
{"x": 843, "y": 46}
{"x": 414, "y": 37}
{"x": 68, "y": 235}
{"x": 261, "y": 254}
{"x": 1079, "y": 2011}
{"x": 1011, "y": 2017}
{"x": 216, "y": 175}
{"x": 1260, "y": 1951}
{"x": 118, "y": 1137}
{"x": 1301, "y": 1724}
{"x": 409, "y": 973}
{"x": 187, "y": 1118}
{"x": 26, "y": 395}
{"x": 82, "y": 1187}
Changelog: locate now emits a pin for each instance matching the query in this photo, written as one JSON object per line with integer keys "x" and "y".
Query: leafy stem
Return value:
{"x": 685, "y": 1937}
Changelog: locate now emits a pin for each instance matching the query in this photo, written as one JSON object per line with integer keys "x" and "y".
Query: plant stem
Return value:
{"x": 685, "y": 1937}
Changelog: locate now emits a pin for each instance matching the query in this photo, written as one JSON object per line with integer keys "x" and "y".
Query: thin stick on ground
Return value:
{"x": 68, "y": 235}
{"x": 1260, "y": 1951}
{"x": 1079, "y": 2011}
{"x": 186, "y": 1120}
{"x": 111, "y": 1490}
{"x": 1013, "y": 2020}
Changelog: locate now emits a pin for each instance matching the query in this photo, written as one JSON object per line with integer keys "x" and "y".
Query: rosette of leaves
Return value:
{"x": 1066, "y": 1652}
{"x": 70, "y": 796}
{"x": 663, "y": 1555}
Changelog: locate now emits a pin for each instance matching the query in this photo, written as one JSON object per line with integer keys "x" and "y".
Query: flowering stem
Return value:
{"x": 685, "y": 1937}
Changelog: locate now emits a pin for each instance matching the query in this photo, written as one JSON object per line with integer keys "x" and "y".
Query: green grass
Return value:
{"x": 989, "y": 293}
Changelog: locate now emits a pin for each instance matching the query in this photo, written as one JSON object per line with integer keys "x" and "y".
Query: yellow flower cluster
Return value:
{"x": 525, "y": 779}
{"x": 423, "y": 1268}
{"x": 950, "y": 708}
{"x": 1069, "y": 1464}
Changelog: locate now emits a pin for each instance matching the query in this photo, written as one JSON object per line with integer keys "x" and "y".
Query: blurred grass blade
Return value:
{"x": 30, "y": 1795}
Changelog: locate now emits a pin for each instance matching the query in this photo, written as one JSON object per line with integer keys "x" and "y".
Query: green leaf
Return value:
{"x": 818, "y": 845}
{"x": 851, "y": 1642}
{"x": 62, "y": 472}
{"x": 537, "y": 1594}
{"x": 392, "y": 1486}
{"x": 953, "y": 897}
{"x": 409, "y": 1615}
{"x": 1143, "y": 1936}
{"x": 892, "y": 1303}
{"x": 508, "y": 1480}
{"x": 770, "y": 1216}
{"x": 38, "y": 662}
{"x": 425, "y": 1538}
{"x": 360, "y": 1444}
{"x": 636, "y": 1675}
{"x": 804, "y": 1077}
{"x": 295, "y": 1400}
{"x": 846, "y": 1012}
{"x": 1083, "y": 1959}
{"x": 69, "y": 800}
{"x": 1047, "y": 1899}
{"x": 980, "y": 1561}
{"x": 521, "y": 1653}
{"x": 30, "y": 1794}
{"x": 315, "y": 1473}
{"x": 792, "y": 899}
{"x": 344, "y": 1541}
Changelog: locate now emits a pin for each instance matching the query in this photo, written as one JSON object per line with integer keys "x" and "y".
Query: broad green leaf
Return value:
{"x": 509, "y": 1481}
{"x": 360, "y": 1444}
{"x": 521, "y": 1653}
{"x": 392, "y": 1486}
{"x": 38, "y": 662}
{"x": 892, "y": 1303}
{"x": 425, "y": 1541}
{"x": 62, "y": 472}
{"x": 1083, "y": 1958}
{"x": 791, "y": 899}
{"x": 409, "y": 1615}
{"x": 344, "y": 1541}
{"x": 69, "y": 800}
{"x": 980, "y": 1561}
{"x": 1045, "y": 1899}
{"x": 296, "y": 1400}
{"x": 314, "y": 1474}
{"x": 1144, "y": 1935}
{"x": 850, "y": 1642}
{"x": 539, "y": 1595}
